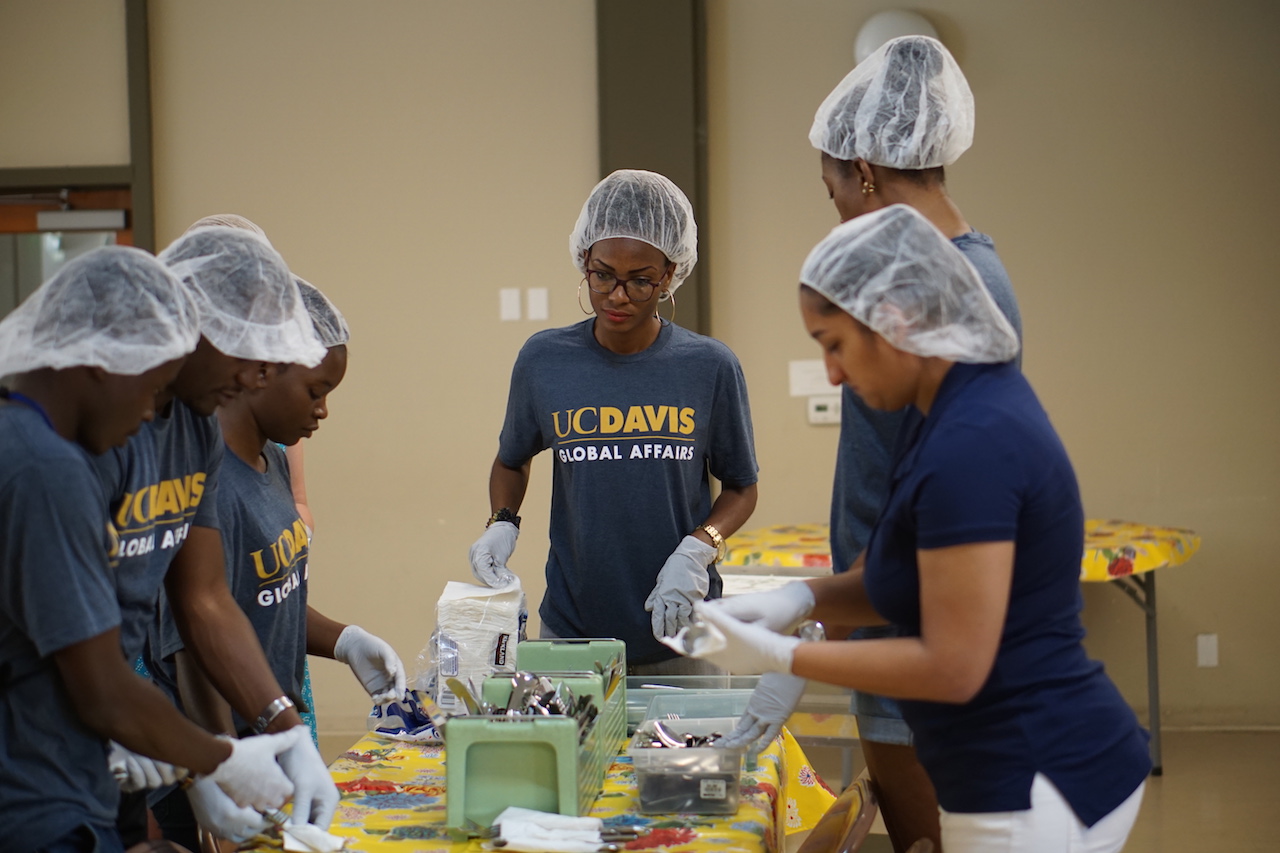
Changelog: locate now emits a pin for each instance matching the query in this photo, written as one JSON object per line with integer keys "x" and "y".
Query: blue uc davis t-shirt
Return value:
{"x": 987, "y": 466}
{"x": 158, "y": 486}
{"x": 867, "y": 436}
{"x": 55, "y": 591}
{"x": 633, "y": 439}
{"x": 266, "y": 549}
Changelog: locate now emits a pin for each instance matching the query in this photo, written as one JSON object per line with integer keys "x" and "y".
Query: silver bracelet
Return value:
{"x": 268, "y": 716}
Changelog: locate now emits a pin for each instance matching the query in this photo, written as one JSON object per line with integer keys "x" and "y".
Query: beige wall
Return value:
{"x": 64, "y": 98}
{"x": 1124, "y": 163}
{"x": 411, "y": 158}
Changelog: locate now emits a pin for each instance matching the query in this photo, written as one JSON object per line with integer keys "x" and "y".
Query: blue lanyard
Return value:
{"x": 18, "y": 397}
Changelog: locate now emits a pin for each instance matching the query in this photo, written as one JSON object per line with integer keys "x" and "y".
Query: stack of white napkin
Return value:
{"x": 529, "y": 831}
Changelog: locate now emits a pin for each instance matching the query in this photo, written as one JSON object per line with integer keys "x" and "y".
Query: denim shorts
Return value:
{"x": 880, "y": 720}
{"x": 879, "y": 717}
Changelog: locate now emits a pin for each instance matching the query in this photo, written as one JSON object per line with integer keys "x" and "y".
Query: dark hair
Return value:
{"x": 921, "y": 177}
{"x": 823, "y": 305}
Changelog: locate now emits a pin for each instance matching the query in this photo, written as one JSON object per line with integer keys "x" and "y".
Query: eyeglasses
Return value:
{"x": 637, "y": 289}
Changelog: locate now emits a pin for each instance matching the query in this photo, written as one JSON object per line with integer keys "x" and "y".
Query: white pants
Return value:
{"x": 1050, "y": 826}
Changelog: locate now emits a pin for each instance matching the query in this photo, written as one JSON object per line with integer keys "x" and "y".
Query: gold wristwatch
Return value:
{"x": 716, "y": 540}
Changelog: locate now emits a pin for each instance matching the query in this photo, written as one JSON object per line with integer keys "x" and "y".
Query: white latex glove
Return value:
{"x": 138, "y": 772}
{"x": 771, "y": 703}
{"x": 219, "y": 814}
{"x": 490, "y": 553}
{"x": 251, "y": 777}
{"x": 373, "y": 661}
{"x": 682, "y": 582}
{"x": 315, "y": 797}
{"x": 741, "y": 647}
{"x": 779, "y": 610}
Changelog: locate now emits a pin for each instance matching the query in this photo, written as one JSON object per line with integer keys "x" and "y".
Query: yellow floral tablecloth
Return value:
{"x": 1112, "y": 548}
{"x": 783, "y": 546}
{"x": 393, "y": 799}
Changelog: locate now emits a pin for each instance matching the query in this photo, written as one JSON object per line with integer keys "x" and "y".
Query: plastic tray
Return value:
{"x": 692, "y": 780}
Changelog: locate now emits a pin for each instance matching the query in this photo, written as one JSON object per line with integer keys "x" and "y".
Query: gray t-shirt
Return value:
{"x": 266, "y": 549}
{"x": 633, "y": 439}
{"x": 867, "y": 436}
{"x": 55, "y": 591}
{"x": 158, "y": 486}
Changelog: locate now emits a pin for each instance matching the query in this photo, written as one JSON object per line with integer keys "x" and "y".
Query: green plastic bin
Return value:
{"x": 536, "y": 762}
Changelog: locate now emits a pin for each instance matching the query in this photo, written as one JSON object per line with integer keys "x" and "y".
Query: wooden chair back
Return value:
{"x": 846, "y": 824}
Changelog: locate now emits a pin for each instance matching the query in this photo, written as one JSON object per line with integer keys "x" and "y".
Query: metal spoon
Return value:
{"x": 522, "y": 684}
{"x": 667, "y": 737}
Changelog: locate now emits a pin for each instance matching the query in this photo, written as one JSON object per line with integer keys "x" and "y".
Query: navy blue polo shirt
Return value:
{"x": 987, "y": 466}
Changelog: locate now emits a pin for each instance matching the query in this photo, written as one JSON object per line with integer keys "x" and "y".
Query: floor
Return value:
{"x": 1220, "y": 793}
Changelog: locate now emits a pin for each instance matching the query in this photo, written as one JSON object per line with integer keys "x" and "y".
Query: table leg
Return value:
{"x": 1153, "y": 673}
{"x": 1142, "y": 589}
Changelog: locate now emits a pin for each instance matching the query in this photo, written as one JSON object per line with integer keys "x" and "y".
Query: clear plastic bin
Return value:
{"x": 642, "y": 689}
{"x": 690, "y": 780}
{"x": 693, "y": 704}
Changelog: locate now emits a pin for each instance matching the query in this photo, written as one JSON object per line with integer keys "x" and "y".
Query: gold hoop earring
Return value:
{"x": 584, "y": 310}
{"x": 667, "y": 296}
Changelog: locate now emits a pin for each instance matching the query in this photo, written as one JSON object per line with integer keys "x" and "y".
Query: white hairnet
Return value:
{"x": 906, "y": 106}
{"x": 330, "y": 325}
{"x": 894, "y": 272}
{"x": 644, "y": 206}
{"x": 116, "y": 308}
{"x": 249, "y": 306}
{"x": 230, "y": 220}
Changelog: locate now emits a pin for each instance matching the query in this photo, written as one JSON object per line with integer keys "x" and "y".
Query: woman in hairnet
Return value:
{"x": 886, "y": 134}
{"x": 639, "y": 414}
{"x": 975, "y": 556}
{"x": 88, "y": 353}
{"x": 267, "y": 549}
{"x": 162, "y": 490}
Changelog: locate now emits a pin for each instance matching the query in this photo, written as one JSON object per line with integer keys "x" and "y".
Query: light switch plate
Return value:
{"x": 536, "y": 303}
{"x": 509, "y": 303}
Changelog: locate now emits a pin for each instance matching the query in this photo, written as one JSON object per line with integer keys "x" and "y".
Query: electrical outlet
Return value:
{"x": 1206, "y": 649}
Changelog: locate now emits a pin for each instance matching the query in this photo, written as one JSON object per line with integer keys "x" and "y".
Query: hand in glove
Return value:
{"x": 741, "y": 647}
{"x": 315, "y": 797}
{"x": 779, "y": 610}
{"x": 682, "y": 582}
{"x": 137, "y": 772}
{"x": 373, "y": 661}
{"x": 771, "y": 703}
{"x": 250, "y": 775}
{"x": 219, "y": 814}
{"x": 490, "y": 553}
